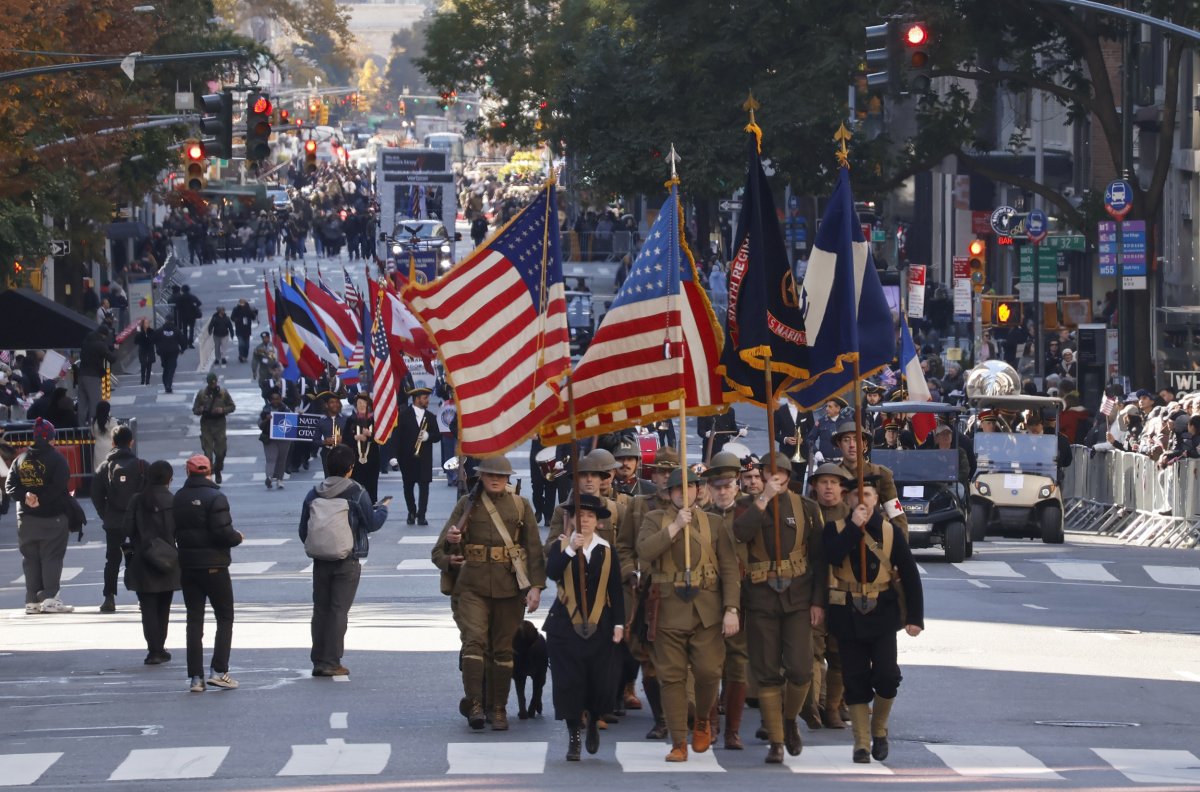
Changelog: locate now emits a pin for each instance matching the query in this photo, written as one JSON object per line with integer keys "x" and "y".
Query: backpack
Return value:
{"x": 124, "y": 481}
{"x": 330, "y": 537}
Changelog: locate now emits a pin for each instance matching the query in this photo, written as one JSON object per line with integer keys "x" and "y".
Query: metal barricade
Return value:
{"x": 76, "y": 445}
{"x": 1128, "y": 496}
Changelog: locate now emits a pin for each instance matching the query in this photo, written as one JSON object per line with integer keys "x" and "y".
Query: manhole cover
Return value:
{"x": 1085, "y": 724}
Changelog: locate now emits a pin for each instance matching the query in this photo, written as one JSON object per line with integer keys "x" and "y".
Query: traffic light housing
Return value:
{"x": 883, "y": 57}
{"x": 258, "y": 126}
{"x": 310, "y": 156}
{"x": 324, "y": 114}
{"x": 285, "y": 117}
{"x": 195, "y": 165}
{"x": 1007, "y": 312}
{"x": 914, "y": 41}
{"x": 217, "y": 124}
{"x": 977, "y": 260}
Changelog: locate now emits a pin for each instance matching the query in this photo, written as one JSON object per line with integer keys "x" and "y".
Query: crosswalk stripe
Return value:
{"x": 264, "y": 542}
{"x": 644, "y": 757}
{"x": 1081, "y": 570}
{"x": 425, "y": 539}
{"x": 155, "y": 764}
{"x": 250, "y": 567}
{"x": 23, "y": 769}
{"x": 1174, "y": 576}
{"x": 1150, "y": 766}
{"x": 423, "y": 564}
{"x": 989, "y": 569}
{"x": 993, "y": 761}
{"x": 500, "y": 758}
{"x": 68, "y": 573}
{"x": 337, "y": 757}
{"x": 831, "y": 760}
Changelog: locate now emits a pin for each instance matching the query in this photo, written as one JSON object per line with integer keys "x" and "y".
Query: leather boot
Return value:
{"x": 654, "y": 699}
{"x": 475, "y": 716}
{"x": 880, "y": 711}
{"x": 831, "y": 718}
{"x": 593, "y": 735}
{"x": 499, "y": 683}
{"x": 702, "y": 735}
{"x": 678, "y": 753}
{"x": 573, "y": 743}
{"x": 775, "y": 753}
{"x": 499, "y": 719}
{"x": 735, "y": 705}
{"x": 632, "y": 702}
{"x": 860, "y": 719}
{"x": 472, "y": 675}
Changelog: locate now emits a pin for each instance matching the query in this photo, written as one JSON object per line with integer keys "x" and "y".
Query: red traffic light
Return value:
{"x": 916, "y": 35}
{"x": 977, "y": 247}
{"x": 310, "y": 146}
{"x": 262, "y": 105}
{"x": 284, "y": 115}
{"x": 195, "y": 151}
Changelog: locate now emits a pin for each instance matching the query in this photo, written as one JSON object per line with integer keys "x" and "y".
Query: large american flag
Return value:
{"x": 383, "y": 375}
{"x": 499, "y": 319}
{"x": 659, "y": 344}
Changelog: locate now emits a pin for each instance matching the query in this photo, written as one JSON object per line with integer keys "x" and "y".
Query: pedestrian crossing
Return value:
{"x": 337, "y": 757}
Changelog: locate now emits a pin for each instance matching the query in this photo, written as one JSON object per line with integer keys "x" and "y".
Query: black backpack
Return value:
{"x": 125, "y": 479}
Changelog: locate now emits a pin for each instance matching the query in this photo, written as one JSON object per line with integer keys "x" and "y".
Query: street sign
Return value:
{"x": 60, "y": 247}
{"x": 1118, "y": 198}
{"x": 1037, "y": 226}
{"x": 962, "y": 289}
{"x": 879, "y": 235}
{"x": 1133, "y": 248}
{"x": 1133, "y": 283}
{"x": 729, "y": 206}
{"x": 916, "y": 290}
{"x": 1002, "y": 220}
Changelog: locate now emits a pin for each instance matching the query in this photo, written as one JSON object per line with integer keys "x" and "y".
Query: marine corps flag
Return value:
{"x": 764, "y": 327}
{"x": 846, "y": 314}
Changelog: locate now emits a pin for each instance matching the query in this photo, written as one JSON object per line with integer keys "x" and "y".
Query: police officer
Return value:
{"x": 501, "y": 574}
{"x": 785, "y": 592}
{"x": 697, "y": 604}
{"x": 721, "y": 478}
{"x": 865, "y": 612}
{"x": 212, "y": 404}
{"x": 850, "y": 445}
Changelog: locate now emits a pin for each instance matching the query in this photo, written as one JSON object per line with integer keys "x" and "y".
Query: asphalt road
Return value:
{"x": 1042, "y": 667}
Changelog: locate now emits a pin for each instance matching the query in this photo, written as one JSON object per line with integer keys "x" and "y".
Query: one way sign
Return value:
{"x": 729, "y": 206}
{"x": 60, "y": 247}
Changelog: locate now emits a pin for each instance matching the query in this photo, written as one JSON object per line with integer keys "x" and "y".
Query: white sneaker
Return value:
{"x": 32, "y": 607}
{"x": 197, "y": 684}
{"x": 222, "y": 681}
{"x": 278, "y": 483}
{"x": 56, "y": 606}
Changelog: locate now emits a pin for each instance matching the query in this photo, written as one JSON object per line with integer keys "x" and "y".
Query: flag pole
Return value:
{"x": 770, "y": 397}
{"x": 673, "y": 158}
{"x": 583, "y": 602}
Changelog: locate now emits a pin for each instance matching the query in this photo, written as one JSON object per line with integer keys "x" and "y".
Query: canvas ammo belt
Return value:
{"x": 844, "y": 585}
{"x": 482, "y": 554}
{"x": 706, "y": 572}
{"x": 795, "y": 565}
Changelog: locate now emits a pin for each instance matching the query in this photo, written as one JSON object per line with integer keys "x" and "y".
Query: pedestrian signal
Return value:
{"x": 1008, "y": 313}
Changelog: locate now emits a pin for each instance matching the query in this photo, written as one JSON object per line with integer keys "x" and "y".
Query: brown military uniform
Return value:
{"x": 490, "y": 603}
{"x": 827, "y": 661}
{"x": 779, "y": 622}
{"x": 688, "y": 633}
{"x": 736, "y": 652}
{"x": 889, "y": 498}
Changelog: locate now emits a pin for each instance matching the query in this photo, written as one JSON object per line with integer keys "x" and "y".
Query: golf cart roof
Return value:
{"x": 914, "y": 407}
{"x": 1015, "y": 402}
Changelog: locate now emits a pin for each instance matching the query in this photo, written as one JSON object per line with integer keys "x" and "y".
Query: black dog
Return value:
{"x": 530, "y": 661}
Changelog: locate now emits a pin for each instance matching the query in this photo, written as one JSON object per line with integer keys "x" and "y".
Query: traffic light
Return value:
{"x": 285, "y": 117}
{"x": 218, "y": 124}
{"x": 977, "y": 258}
{"x": 914, "y": 40}
{"x": 883, "y": 57}
{"x": 324, "y": 114}
{"x": 258, "y": 126}
{"x": 1007, "y": 312}
{"x": 195, "y": 166}
{"x": 310, "y": 156}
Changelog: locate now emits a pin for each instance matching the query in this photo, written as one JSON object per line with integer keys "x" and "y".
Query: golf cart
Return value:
{"x": 1016, "y": 489}
{"x": 930, "y": 485}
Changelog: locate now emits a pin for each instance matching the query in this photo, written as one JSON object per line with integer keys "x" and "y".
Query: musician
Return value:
{"x": 332, "y": 426}
{"x": 791, "y": 427}
{"x": 416, "y": 435}
{"x": 873, "y": 395}
{"x": 545, "y": 492}
{"x": 717, "y": 430}
{"x": 358, "y": 432}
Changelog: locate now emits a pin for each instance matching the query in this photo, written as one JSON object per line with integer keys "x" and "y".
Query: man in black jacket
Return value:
{"x": 188, "y": 309}
{"x": 220, "y": 327}
{"x": 169, "y": 342}
{"x": 38, "y": 483}
{"x": 120, "y": 477}
{"x": 244, "y": 316}
{"x": 95, "y": 356}
{"x": 204, "y": 532}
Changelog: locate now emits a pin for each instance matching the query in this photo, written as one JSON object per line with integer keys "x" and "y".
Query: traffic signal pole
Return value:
{"x": 55, "y": 68}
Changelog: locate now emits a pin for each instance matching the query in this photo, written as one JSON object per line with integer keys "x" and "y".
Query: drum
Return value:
{"x": 548, "y": 462}
{"x": 738, "y": 450}
{"x": 450, "y": 465}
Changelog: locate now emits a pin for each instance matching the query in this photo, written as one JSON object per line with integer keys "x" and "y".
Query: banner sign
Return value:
{"x": 302, "y": 427}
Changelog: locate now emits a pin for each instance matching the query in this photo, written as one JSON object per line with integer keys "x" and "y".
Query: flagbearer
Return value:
{"x": 866, "y": 554}
{"x": 785, "y": 593}
{"x": 697, "y": 605}
{"x": 416, "y": 435}
{"x": 851, "y": 445}
{"x": 828, "y": 486}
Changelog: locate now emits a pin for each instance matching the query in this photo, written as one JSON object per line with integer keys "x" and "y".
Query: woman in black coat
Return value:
{"x": 581, "y": 642}
{"x": 359, "y": 434}
{"x": 150, "y": 517}
{"x": 144, "y": 339}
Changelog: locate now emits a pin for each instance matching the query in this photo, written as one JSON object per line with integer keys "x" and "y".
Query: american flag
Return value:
{"x": 499, "y": 319}
{"x": 358, "y": 355}
{"x": 659, "y": 341}
{"x": 384, "y": 396}
{"x": 353, "y": 299}
{"x": 1107, "y": 404}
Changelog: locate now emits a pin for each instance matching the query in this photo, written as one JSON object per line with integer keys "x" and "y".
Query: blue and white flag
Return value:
{"x": 846, "y": 314}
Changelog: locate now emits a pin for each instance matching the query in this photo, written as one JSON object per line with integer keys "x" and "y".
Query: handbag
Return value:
{"x": 160, "y": 555}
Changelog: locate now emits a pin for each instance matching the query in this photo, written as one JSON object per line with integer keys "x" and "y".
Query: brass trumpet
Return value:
{"x": 420, "y": 429}
{"x": 796, "y": 457}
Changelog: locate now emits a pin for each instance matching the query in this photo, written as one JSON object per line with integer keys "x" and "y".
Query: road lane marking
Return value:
{"x": 503, "y": 758}
{"x": 641, "y": 757}
{"x": 250, "y": 567}
{"x": 1035, "y": 607}
{"x": 155, "y": 764}
{"x": 1150, "y": 766}
{"x": 68, "y": 573}
{"x": 415, "y": 563}
{"x": 993, "y": 761}
{"x": 827, "y": 760}
{"x": 336, "y": 757}
{"x": 1174, "y": 576}
{"x": 1080, "y": 570}
{"x": 420, "y": 539}
{"x": 1189, "y": 675}
{"x": 25, "y": 769}
{"x": 989, "y": 569}
{"x": 339, "y": 720}
{"x": 978, "y": 583}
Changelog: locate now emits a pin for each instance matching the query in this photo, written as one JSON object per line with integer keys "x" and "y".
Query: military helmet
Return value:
{"x": 676, "y": 479}
{"x": 598, "y": 461}
{"x": 499, "y": 465}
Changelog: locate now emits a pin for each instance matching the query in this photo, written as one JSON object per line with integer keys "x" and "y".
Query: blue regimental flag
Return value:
{"x": 846, "y": 314}
{"x": 764, "y": 329}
